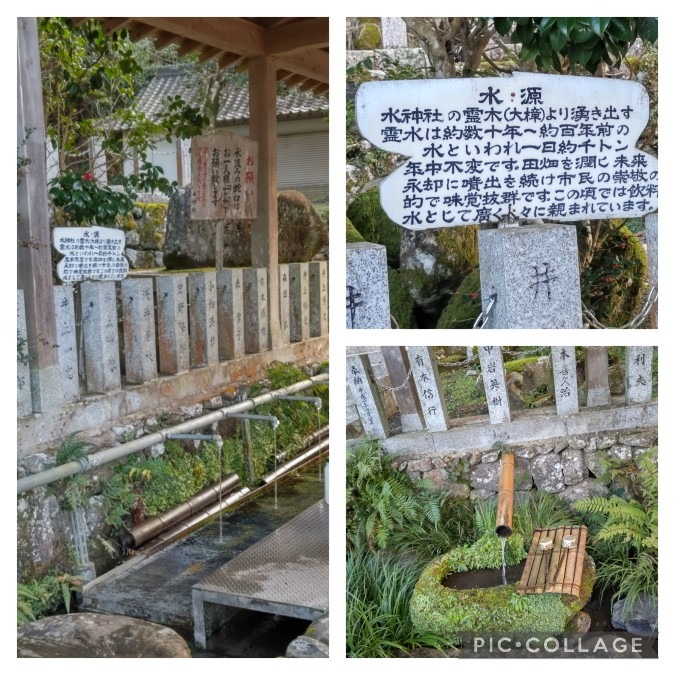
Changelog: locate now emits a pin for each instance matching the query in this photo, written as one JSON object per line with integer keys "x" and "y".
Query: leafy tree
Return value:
{"x": 90, "y": 80}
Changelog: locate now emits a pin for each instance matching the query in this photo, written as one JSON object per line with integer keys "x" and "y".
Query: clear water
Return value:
{"x": 504, "y": 582}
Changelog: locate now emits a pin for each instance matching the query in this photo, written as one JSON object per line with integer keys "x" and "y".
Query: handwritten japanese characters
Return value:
{"x": 66, "y": 337}
{"x": 528, "y": 146}
{"x": 367, "y": 400}
{"x": 139, "y": 330}
{"x": 95, "y": 253}
{"x": 563, "y": 360}
{"x": 172, "y": 323}
{"x": 225, "y": 176}
{"x": 492, "y": 367}
{"x": 638, "y": 374}
{"x": 230, "y": 313}
{"x": 427, "y": 382}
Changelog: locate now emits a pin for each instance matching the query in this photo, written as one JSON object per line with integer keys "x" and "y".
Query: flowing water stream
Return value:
{"x": 503, "y": 561}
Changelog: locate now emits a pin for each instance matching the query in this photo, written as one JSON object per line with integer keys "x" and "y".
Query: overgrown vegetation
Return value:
{"x": 48, "y": 595}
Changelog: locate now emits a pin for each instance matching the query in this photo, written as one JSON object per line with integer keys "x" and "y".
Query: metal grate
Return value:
{"x": 286, "y": 573}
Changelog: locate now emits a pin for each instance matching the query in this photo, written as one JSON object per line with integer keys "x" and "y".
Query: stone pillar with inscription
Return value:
{"x": 318, "y": 299}
{"x": 101, "y": 343}
{"x": 638, "y": 374}
{"x": 299, "y": 290}
{"x": 230, "y": 313}
{"x": 24, "y": 402}
{"x": 492, "y": 367}
{"x": 366, "y": 397}
{"x": 138, "y": 313}
{"x": 394, "y": 32}
{"x": 367, "y": 293}
{"x": 256, "y": 321}
{"x": 66, "y": 336}
{"x": 400, "y": 376}
{"x": 534, "y": 272}
{"x": 172, "y": 323}
{"x": 285, "y": 303}
{"x": 652, "y": 233}
{"x": 564, "y": 365}
{"x": 428, "y": 384}
{"x": 203, "y": 318}
{"x": 597, "y": 377}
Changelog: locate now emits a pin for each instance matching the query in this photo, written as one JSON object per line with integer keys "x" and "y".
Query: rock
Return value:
{"x": 579, "y": 624}
{"x": 574, "y": 466}
{"x": 128, "y": 432}
{"x": 36, "y": 463}
{"x": 594, "y": 462}
{"x": 305, "y": 647}
{"x": 140, "y": 260}
{"x": 189, "y": 244}
{"x": 474, "y": 458}
{"x": 482, "y": 495}
{"x": 622, "y": 452}
{"x": 537, "y": 375}
{"x": 527, "y": 452}
{"x": 319, "y": 629}
{"x": 547, "y": 472}
{"x": 485, "y": 477}
{"x": 98, "y": 636}
{"x": 522, "y": 475}
{"x": 592, "y": 445}
{"x": 159, "y": 259}
{"x": 559, "y": 446}
{"x": 439, "y": 477}
{"x": 545, "y": 448}
{"x": 642, "y": 619}
{"x": 157, "y": 450}
{"x": 488, "y": 457}
{"x": 420, "y": 464}
{"x": 587, "y": 488}
{"x": 133, "y": 239}
{"x": 190, "y": 411}
{"x": 605, "y": 442}
{"x": 438, "y": 462}
{"x": 151, "y": 424}
{"x": 644, "y": 439}
{"x": 617, "y": 379}
{"x": 214, "y": 403}
{"x": 577, "y": 443}
{"x": 458, "y": 490}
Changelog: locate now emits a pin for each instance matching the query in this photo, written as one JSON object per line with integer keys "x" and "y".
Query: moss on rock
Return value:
{"x": 450, "y": 612}
{"x": 373, "y": 224}
{"x": 464, "y": 306}
{"x": 353, "y": 235}
{"x": 400, "y": 301}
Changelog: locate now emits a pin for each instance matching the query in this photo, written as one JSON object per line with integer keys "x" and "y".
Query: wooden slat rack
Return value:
{"x": 557, "y": 570}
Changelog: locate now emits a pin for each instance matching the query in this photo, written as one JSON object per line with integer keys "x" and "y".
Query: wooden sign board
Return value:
{"x": 527, "y": 146}
{"x": 224, "y": 177}
{"x": 95, "y": 253}
{"x": 557, "y": 570}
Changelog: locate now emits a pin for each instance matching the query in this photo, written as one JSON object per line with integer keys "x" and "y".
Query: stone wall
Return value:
{"x": 566, "y": 466}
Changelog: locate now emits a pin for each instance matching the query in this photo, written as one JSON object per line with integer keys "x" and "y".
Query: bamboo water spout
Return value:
{"x": 504, "y": 521}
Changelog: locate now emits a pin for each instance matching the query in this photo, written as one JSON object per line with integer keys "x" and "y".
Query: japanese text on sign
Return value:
{"x": 528, "y": 146}
{"x": 224, "y": 171}
{"x": 95, "y": 253}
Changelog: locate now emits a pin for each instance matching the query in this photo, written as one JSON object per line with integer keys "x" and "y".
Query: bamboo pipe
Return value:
{"x": 505, "y": 496}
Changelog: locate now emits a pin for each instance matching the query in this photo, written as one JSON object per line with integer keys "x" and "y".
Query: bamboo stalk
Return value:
{"x": 505, "y": 496}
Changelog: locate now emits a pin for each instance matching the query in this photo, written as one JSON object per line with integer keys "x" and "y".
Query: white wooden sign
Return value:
{"x": 95, "y": 253}
{"x": 530, "y": 145}
{"x": 224, "y": 176}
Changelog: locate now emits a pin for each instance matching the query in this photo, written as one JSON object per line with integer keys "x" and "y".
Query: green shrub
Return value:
{"x": 464, "y": 306}
{"x": 49, "y": 594}
{"x": 372, "y": 223}
{"x": 400, "y": 301}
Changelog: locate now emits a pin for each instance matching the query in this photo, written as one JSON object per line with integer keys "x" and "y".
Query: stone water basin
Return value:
{"x": 438, "y": 608}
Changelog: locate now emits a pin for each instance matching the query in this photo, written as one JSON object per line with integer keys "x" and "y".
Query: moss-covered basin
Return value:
{"x": 500, "y": 609}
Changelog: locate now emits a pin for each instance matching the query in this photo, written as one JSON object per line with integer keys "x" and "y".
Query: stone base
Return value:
{"x": 98, "y": 636}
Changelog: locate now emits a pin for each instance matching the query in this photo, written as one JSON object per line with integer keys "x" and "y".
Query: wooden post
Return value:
{"x": 265, "y": 227}
{"x": 34, "y": 258}
{"x": 398, "y": 367}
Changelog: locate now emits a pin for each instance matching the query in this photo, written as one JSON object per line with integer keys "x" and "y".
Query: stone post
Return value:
{"x": 366, "y": 397}
{"x": 203, "y": 318}
{"x": 492, "y": 367}
{"x": 230, "y": 314}
{"x": 66, "y": 339}
{"x": 394, "y": 32}
{"x": 138, "y": 312}
{"x": 564, "y": 364}
{"x": 367, "y": 293}
{"x": 428, "y": 384}
{"x": 285, "y": 303}
{"x": 534, "y": 271}
{"x": 318, "y": 299}
{"x": 638, "y": 374}
{"x": 172, "y": 323}
{"x": 299, "y": 290}
{"x": 24, "y": 402}
{"x": 256, "y": 319}
{"x": 398, "y": 368}
{"x": 101, "y": 343}
{"x": 597, "y": 377}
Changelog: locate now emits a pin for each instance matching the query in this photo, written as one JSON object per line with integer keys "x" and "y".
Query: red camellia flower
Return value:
{"x": 87, "y": 176}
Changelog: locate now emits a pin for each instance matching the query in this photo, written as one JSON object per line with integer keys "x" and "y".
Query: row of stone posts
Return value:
{"x": 415, "y": 383}
{"x": 172, "y": 323}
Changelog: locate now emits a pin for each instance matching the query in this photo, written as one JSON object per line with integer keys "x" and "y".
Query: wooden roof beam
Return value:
{"x": 294, "y": 80}
{"x": 300, "y": 35}
{"x": 111, "y": 25}
{"x": 312, "y": 64}
{"x": 207, "y": 53}
{"x": 229, "y": 34}
{"x": 187, "y": 46}
{"x": 139, "y": 31}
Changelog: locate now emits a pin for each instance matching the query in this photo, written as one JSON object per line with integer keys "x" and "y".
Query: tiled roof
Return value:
{"x": 178, "y": 80}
